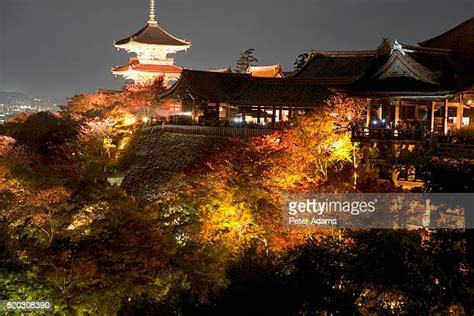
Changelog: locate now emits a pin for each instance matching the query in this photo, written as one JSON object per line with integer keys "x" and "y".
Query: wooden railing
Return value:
{"x": 211, "y": 130}
{"x": 370, "y": 133}
{"x": 453, "y": 149}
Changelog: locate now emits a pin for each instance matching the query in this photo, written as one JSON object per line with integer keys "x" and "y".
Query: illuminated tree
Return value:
{"x": 345, "y": 111}
{"x": 141, "y": 96}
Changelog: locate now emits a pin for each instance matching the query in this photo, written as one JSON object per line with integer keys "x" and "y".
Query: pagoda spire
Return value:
{"x": 152, "y": 16}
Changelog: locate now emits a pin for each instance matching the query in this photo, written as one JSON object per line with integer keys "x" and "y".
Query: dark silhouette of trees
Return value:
{"x": 246, "y": 60}
{"x": 384, "y": 46}
{"x": 300, "y": 61}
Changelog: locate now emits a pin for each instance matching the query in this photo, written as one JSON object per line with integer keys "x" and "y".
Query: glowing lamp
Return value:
{"x": 130, "y": 120}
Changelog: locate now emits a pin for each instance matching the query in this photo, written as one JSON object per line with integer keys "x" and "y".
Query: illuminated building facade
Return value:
{"x": 152, "y": 46}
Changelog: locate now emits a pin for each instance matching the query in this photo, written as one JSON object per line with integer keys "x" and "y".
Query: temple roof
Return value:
{"x": 339, "y": 67}
{"x": 407, "y": 69}
{"x": 222, "y": 70}
{"x": 243, "y": 89}
{"x": 207, "y": 85}
{"x": 164, "y": 69}
{"x": 459, "y": 36}
{"x": 460, "y": 40}
{"x": 153, "y": 34}
{"x": 273, "y": 71}
{"x": 283, "y": 92}
{"x": 410, "y": 70}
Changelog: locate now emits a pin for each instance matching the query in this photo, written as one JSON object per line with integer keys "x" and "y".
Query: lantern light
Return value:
{"x": 130, "y": 120}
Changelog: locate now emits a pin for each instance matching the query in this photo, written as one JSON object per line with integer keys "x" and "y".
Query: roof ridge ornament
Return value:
{"x": 397, "y": 47}
{"x": 152, "y": 15}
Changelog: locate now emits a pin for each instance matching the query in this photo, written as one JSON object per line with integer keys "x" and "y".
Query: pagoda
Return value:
{"x": 151, "y": 45}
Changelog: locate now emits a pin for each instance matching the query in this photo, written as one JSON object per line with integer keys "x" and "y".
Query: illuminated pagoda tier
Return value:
{"x": 151, "y": 45}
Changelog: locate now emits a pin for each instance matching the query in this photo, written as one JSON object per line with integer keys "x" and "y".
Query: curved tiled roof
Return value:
{"x": 243, "y": 89}
{"x": 343, "y": 67}
{"x": 460, "y": 40}
{"x": 153, "y": 34}
{"x": 215, "y": 86}
{"x": 283, "y": 92}
{"x": 460, "y": 35}
{"x": 272, "y": 71}
{"x": 149, "y": 68}
{"x": 433, "y": 72}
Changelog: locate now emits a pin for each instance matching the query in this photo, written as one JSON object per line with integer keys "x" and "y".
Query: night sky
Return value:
{"x": 57, "y": 48}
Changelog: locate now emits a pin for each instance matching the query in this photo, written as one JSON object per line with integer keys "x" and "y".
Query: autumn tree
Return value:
{"x": 49, "y": 135}
{"x": 140, "y": 97}
{"x": 345, "y": 110}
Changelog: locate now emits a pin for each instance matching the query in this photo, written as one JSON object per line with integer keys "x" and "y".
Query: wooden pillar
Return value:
{"x": 379, "y": 112}
{"x": 369, "y": 113}
{"x": 366, "y": 156}
{"x": 417, "y": 113}
{"x": 397, "y": 112}
{"x": 259, "y": 109}
{"x": 273, "y": 116}
{"x": 280, "y": 114}
{"x": 445, "y": 121}
{"x": 433, "y": 109}
{"x": 218, "y": 111}
{"x": 459, "y": 113}
{"x": 289, "y": 114}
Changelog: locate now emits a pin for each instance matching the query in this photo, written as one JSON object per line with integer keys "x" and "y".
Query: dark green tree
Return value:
{"x": 384, "y": 46}
{"x": 246, "y": 60}
{"x": 300, "y": 61}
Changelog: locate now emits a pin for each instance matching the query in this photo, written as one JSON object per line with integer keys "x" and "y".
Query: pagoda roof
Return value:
{"x": 151, "y": 68}
{"x": 243, "y": 89}
{"x": 153, "y": 34}
{"x": 272, "y": 71}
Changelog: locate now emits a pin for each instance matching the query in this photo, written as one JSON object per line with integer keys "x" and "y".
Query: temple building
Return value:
{"x": 152, "y": 46}
{"x": 273, "y": 71}
{"x": 210, "y": 98}
{"x": 412, "y": 85}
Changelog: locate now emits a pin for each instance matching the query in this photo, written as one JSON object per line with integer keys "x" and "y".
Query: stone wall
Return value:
{"x": 158, "y": 156}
